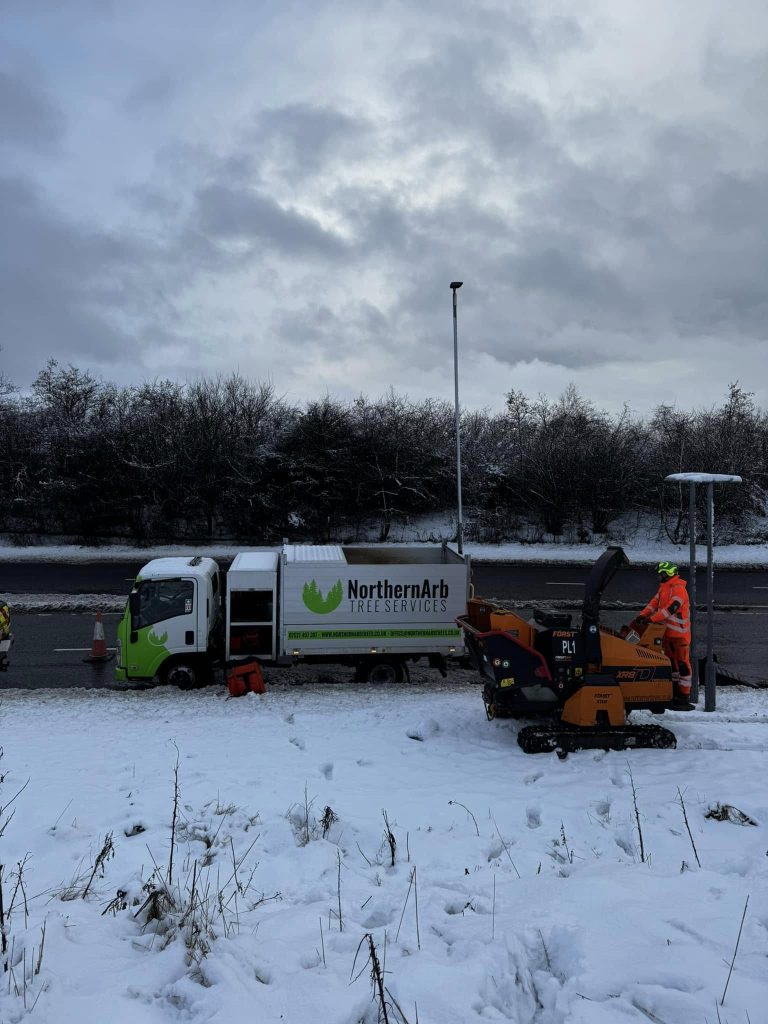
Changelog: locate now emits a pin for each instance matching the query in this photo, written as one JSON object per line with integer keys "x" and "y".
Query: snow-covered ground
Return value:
{"x": 534, "y": 901}
{"x": 644, "y": 552}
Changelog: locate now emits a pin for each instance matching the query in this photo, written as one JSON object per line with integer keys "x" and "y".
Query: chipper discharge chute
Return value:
{"x": 582, "y": 679}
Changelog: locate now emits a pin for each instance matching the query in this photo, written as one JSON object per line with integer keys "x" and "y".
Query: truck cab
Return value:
{"x": 171, "y": 628}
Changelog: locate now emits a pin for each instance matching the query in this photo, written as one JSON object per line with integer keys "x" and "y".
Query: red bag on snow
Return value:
{"x": 245, "y": 677}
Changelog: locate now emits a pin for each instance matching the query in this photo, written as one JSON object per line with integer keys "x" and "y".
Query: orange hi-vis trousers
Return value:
{"x": 678, "y": 650}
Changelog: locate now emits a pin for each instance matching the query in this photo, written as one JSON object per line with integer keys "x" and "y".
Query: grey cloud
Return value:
{"x": 82, "y": 295}
{"x": 624, "y": 231}
{"x": 467, "y": 89}
{"x": 45, "y": 7}
{"x": 28, "y": 118}
{"x": 148, "y": 94}
{"x": 668, "y": 241}
{"x": 746, "y": 76}
{"x": 244, "y": 214}
{"x": 303, "y": 138}
{"x": 561, "y": 269}
{"x": 315, "y": 326}
{"x": 48, "y": 290}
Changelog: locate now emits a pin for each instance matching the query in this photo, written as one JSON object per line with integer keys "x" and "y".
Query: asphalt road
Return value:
{"x": 524, "y": 582}
{"x": 633, "y": 584}
{"x": 49, "y": 649}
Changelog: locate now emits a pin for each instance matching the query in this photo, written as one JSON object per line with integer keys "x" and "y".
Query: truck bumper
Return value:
{"x": 121, "y": 674}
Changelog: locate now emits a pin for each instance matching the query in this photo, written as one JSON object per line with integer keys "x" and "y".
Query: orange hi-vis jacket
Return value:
{"x": 672, "y": 607}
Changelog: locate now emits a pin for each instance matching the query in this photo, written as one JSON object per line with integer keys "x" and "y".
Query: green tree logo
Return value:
{"x": 314, "y": 600}
{"x": 155, "y": 640}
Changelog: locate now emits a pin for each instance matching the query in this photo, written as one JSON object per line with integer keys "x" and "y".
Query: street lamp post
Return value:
{"x": 710, "y": 479}
{"x": 455, "y": 285}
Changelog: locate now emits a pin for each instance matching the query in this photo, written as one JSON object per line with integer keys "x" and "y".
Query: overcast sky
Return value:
{"x": 287, "y": 189}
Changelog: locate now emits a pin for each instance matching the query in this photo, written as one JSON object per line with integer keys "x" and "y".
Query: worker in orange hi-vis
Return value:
{"x": 5, "y": 633}
{"x": 5, "y": 619}
{"x": 671, "y": 606}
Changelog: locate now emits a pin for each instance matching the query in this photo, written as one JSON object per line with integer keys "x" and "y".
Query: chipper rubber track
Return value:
{"x": 561, "y": 739}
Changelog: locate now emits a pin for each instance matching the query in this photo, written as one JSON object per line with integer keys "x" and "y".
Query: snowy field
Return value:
{"x": 532, "y": 902}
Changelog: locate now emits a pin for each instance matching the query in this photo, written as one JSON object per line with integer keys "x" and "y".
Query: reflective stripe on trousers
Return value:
{"x": 678, "y": 650}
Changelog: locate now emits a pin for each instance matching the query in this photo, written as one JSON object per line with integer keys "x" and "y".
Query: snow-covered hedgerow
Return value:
{"x": 350, "y": 854}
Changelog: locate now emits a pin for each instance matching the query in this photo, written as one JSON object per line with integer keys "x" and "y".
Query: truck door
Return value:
{"x": 210, "y": 629}
{"x": 163, "y": 622}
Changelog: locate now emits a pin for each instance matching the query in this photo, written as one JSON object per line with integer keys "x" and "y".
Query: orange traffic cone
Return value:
{"x": 99, "y": 650}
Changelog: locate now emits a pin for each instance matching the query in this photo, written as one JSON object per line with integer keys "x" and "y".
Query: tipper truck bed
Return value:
{"x": 374, "y": 607}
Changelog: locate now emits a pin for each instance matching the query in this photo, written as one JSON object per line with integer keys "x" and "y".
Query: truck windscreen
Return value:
{"x": 164, "y": 599}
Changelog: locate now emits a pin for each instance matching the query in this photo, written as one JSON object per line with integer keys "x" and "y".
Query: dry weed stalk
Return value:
{"x": 637, "y": 813}
{"x": 389, "y": 1010}
{"x": 389, "y": 838}
{"x": 474, "y": 819}
{"x": 736, "y": 950}
{"x": 685, "y": 819}
{"x": 175, "y": 815}
{"x": 3, "y": 932}
{"x": 412, "y": 884}
{"x": 338, "y": 889}
{"x": 506, "y": 848}
{"x": 106, "y": 853}
{"x": 328, "y": 820}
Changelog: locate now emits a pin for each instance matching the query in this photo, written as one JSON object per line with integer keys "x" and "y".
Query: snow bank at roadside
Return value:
{"x": 51, "y": 603}
{"x": 643, "y": 553}
{"x": 533, "y": 902}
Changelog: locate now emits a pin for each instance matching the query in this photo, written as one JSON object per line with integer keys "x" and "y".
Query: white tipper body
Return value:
{"x": 306, "y": 600}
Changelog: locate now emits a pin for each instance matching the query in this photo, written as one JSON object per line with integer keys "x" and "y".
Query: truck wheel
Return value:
{"x": 383, "y": 673}
{"x": 184, "y": 674}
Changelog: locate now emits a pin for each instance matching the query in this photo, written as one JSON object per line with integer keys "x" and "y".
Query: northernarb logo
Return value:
{"x": 314, "y": 600}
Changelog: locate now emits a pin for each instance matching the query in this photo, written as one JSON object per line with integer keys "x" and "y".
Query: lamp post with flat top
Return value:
{"x": 710, "y": 479}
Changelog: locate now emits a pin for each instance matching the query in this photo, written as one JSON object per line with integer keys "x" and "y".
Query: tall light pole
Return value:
{"x": 455, "y": 285}
{"x": 710, "y": 479}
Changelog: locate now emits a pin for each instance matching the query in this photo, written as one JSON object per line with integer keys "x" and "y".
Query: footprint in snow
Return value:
{"x": 533, "y": 816}
{"x": 603, "y": 809}
{"x": 298, "y": 742}
{"x": 426, "y": 728}
{"x": 462, "y": 907}
{"x": 326, "y": 769}
{"x": 625, "y": 845}
{"x": 378, "y": 919}
{"x": 530, "y": 779}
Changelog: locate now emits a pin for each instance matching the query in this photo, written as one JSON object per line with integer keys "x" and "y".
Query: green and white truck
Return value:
{"x": 376, "y": 608}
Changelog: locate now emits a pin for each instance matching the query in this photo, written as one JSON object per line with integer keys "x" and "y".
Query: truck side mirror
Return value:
{"x": 133, "y": 604}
